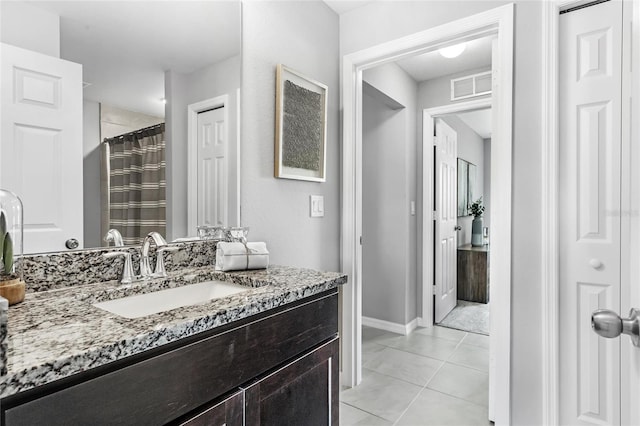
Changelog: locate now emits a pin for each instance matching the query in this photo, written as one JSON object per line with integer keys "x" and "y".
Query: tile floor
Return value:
{"x": 434, "y": 376}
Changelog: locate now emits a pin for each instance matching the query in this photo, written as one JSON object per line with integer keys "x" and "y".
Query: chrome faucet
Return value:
{"x": 161, "y": 244}
{"x": 114, "y": 236}
{"x": 127, "y": 271}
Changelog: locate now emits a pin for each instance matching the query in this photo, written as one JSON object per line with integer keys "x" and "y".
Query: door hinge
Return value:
{"x": 435, "y": 215}
{"x": 435, "y": 141}
{"x": 433, "y": 290}
{"x": 360, "y": 239}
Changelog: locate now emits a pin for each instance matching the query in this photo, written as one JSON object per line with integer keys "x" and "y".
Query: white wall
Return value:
{"x": 181, "y": 90}
{"x": 389, "y": 186}
{"x": 30, "y": 27}
{"x": 304, "y": 37}
{"x": 471, "y": 149}
{"x": 379, "y": 22}
{"x": 91, "y": 174}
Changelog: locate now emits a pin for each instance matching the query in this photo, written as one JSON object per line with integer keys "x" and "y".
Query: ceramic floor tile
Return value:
{"x": 369, "y": 351}
{"x": 477, "y": 340}
{"x": 352, "y": 416}
{"x": 462, "y": 382}
{"x": 374, "y": 335}
{"x": 381, "y": 395}
{"x": 471, "y": 356}
{"x": 421, "y": 344}
{"x": 412, "y": 368}
{"x": 437, "y": 409}
{"x": 442, "y": 332}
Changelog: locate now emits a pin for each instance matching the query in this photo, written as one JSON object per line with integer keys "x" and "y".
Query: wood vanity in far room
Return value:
{"x": 473, "y": 273}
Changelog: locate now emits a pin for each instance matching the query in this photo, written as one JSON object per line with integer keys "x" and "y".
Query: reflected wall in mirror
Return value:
{"x": 159, "y": 59}
{"x": 466, "y": 186}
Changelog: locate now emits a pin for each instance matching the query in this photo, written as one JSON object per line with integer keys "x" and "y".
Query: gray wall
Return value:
{"x": 389, "y": 186}
{"x": 383, "y": 21}
{"x": 471, "y": 149}
{"x": 91, "y": 174}
{"x": 181, "y": 90}
{"x": 304, "y": 37}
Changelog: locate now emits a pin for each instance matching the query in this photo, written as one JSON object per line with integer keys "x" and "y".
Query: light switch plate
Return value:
{"x": 316, "y": 205}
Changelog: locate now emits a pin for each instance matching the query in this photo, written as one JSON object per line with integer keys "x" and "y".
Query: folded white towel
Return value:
{"x": 239, "y": 256}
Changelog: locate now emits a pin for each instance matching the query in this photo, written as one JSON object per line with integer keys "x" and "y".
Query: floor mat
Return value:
{"x": 468, "y": 316}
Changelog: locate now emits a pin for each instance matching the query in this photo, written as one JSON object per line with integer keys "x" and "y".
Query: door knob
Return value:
{"x": 595, "y": 263}
{"x": 608, "y": 324}
{"x": 457, "y": 228}
{"x": 72, "y": 243}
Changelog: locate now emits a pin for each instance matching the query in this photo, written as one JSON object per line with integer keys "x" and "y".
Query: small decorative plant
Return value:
{"x": 6, "y": 250}
{"x": 477, "y": 208}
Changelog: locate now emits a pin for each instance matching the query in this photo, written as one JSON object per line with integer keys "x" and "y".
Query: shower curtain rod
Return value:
{"x": 124, "y": 135}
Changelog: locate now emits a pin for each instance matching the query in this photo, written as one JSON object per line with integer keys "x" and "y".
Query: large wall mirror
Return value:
{"x": 161, "y": 89}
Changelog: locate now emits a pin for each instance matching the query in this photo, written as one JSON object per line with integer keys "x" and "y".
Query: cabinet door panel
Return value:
{"x": 303, "y": 392}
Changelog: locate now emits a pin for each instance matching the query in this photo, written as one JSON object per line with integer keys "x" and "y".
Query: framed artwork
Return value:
{"x": 301, "y": 127}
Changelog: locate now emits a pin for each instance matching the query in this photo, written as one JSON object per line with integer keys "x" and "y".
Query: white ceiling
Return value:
{"x": 479, "y": 121}
{"x": 125, "y": 46}
{"x": 344, "y": 6}
{"x": 432, "y": 64}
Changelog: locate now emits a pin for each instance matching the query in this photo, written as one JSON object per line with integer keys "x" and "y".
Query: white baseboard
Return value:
{"x": 423, "y": 323}
{"x": 393, "y": 327}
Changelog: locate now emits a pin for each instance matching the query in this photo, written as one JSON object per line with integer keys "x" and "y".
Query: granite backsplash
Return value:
{"x": 51, "y": 271}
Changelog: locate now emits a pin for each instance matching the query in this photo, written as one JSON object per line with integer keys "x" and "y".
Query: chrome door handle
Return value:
{"x": 608, "y": 324}
{"x": 457, "y": 228}
{"x": 72, "y": 243}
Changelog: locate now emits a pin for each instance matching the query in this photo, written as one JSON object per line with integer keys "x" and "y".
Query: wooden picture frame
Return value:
{"x": 301, "y": 127}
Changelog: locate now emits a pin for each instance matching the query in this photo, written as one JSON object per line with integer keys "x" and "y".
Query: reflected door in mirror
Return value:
{"x": 41, "y": 145}
{"x": 212, "y": 168}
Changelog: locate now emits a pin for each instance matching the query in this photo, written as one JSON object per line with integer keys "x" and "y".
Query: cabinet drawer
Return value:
{"x": 167, "y": 386}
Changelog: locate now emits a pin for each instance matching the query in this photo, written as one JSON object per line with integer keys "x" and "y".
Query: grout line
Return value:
{"x": 418, "y": 394}
{"x": 364, "y": 411}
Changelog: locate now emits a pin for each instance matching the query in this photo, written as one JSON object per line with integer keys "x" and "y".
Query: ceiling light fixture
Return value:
{"x": 453, "y": 51}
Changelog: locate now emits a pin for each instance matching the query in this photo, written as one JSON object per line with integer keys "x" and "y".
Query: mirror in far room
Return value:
{"x": 142, "y": 64}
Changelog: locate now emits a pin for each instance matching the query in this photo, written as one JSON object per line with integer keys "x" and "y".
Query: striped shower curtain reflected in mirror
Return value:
{"x": 137, "y": 200}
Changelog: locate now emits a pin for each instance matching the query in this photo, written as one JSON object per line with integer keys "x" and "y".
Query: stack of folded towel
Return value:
{"x": 240, "y": 256}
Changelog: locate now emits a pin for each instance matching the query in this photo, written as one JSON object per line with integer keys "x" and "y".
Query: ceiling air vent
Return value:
{"x": 471, "y": 85}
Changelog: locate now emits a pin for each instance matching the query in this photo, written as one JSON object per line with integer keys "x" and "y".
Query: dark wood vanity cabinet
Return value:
{"x": 276, "y": 368}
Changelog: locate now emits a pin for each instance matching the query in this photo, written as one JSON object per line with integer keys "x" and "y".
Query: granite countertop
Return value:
{"x": 54, "y": 334}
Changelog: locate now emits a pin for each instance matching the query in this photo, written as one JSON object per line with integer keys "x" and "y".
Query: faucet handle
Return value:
{"x": 160, "y": 270}
{"x": 127, "y": 271}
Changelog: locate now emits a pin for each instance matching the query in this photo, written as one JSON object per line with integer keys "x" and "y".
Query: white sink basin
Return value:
{"x": 142, "y": 305}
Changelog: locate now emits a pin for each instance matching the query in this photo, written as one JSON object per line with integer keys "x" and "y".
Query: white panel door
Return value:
{"x": 41, "y": 145}
{"x": 590, "y": 85}
{"x": 446, "y": 219}
{"x": 212, "y": 168}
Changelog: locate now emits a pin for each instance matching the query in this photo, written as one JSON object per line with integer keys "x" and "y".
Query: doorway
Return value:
{"x": 464, "y": 303}
{"x": 208, "y": 165}
{"x": 498, "y": 21}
